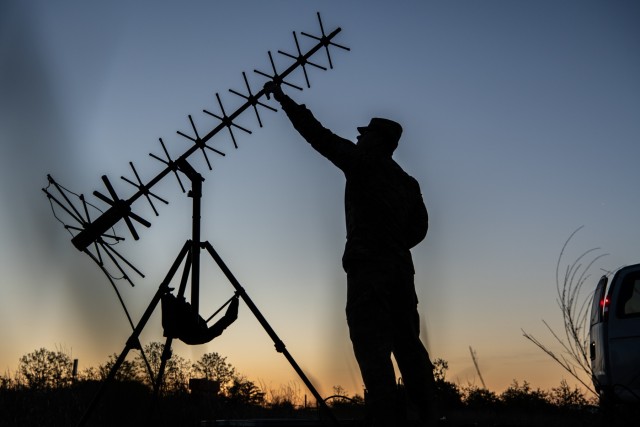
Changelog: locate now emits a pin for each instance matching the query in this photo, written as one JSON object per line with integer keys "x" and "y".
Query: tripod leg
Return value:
{"x": 166, "y": 355}
{"x": 157, "y": 383}
{"x": 280, "y": 347}
{"x": 133, "y": 341}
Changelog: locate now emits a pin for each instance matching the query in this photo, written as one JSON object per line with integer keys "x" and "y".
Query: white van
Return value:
{"x": 615, "y": 336}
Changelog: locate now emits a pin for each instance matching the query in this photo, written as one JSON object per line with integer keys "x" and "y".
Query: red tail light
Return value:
{"x": 604, "y": 305}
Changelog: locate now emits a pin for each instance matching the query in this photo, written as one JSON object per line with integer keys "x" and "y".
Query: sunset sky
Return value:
{"x": 521, "y": 122}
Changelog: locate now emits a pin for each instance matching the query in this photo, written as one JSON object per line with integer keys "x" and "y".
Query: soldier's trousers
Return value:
{"x": 383, "y": 319}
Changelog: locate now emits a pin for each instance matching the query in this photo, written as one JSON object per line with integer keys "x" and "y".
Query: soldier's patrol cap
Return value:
{"x": 392, "y": 129}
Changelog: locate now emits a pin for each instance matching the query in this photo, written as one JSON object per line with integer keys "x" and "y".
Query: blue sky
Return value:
{"x": 521, "y": 123}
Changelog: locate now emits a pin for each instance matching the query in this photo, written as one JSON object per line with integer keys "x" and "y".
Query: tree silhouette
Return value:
{"x": 128, "y": 371}
{"x": 245, "y": 392}
{"x": 153, "y": 352}
{"x": 45, "y": 369}
{"x": 212, "y": 366}
{"x": 176, "y": 373}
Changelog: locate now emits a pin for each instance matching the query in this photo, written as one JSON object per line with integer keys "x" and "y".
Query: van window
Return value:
{"x": 629, "y": 305}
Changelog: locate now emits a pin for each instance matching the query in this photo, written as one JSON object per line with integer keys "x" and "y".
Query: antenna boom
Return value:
{"x": 121, "y": 209}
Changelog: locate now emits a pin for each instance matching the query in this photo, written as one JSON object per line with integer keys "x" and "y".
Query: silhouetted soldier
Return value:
{"x": 385, "y": 218}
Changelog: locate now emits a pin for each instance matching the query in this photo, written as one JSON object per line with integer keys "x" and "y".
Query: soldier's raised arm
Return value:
{"x": 338, "y": 150}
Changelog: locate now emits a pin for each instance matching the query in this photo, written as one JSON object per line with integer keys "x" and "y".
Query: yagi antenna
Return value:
{"x": 120, "y": 208}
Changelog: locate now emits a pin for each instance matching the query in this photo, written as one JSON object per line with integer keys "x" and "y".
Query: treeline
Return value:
{"x": 47, "y": 390}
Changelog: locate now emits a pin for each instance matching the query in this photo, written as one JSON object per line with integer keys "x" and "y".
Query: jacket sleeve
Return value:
{"x": 340, "y": 151}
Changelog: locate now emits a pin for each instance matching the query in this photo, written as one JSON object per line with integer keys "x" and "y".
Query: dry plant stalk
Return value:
{"x": 575, "y": 314}
{"x": 474, "y": 357}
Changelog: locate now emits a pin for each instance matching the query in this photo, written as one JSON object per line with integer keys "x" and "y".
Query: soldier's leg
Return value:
{"x": 413, "y": 360}
{"x": 417, "y": 374}
{"x": 368, "y": 316}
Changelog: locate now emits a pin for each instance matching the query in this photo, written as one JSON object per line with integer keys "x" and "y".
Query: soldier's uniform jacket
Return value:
{"x": 385, "y": 212}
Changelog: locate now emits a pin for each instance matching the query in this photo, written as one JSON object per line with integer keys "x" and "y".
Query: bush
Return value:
{"x": 480, "y": 398}
{"x": 565, "y": 398}
{"x": 448, "y": 394}
{"x": 523, "y": 397}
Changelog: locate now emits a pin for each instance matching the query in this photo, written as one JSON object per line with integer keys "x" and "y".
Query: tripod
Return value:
{"x": 190, "y": 254}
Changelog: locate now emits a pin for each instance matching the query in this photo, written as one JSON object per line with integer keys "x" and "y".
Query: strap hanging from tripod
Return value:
{"x": 180, "y": 320}
{"x": 229, "y": 301}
